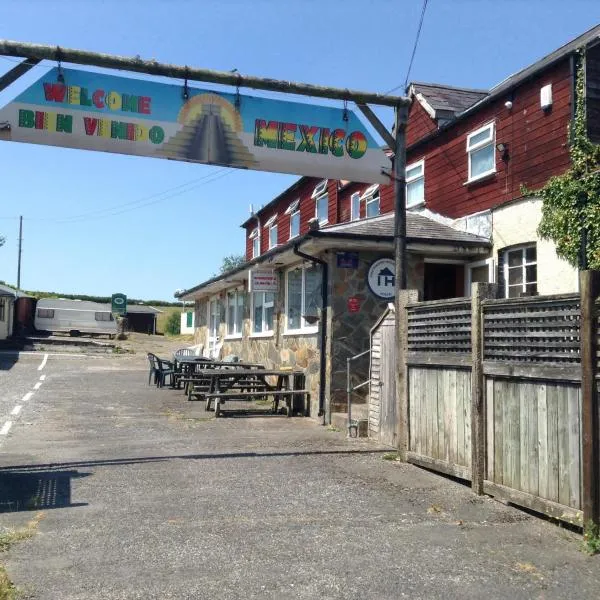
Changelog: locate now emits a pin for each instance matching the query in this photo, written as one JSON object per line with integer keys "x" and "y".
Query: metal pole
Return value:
{"x": 20, "y": 249}
{"x": 400, "y": 257}
{"x": 152, "y": 67}
{"x": 348, "y": 394}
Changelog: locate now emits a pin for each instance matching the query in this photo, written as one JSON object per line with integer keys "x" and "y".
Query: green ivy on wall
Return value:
{"x": 571, "y": 202}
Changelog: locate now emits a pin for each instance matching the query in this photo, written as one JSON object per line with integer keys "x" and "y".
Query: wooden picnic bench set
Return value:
{"x": 217, "y": 382}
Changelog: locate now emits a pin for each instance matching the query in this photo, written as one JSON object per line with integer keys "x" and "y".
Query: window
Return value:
{"x": 293, "y": 211}
{"x": 355, "y": 207}
{"x": 262, "y": 312}
{"x": 371, "y": 198}
{"x": 45, "y": 313}
{"x": 2, "y": 310}
{"x": 415, "y": 184}
{"x": 272, "y": 225}
{"x": 481, "y": 151}
{"x": 303, "y": 298}
{"x": 255, "y": 237}
{"x": 235, "y": 313}
{"x": 520, "y": 271}
{"x": 321, "y": 199}
{"x": 189, "y": 319}
{"x": 103, "y": 316}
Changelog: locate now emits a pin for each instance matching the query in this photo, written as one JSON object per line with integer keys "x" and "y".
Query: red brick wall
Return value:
{"x": 537, "y": 143}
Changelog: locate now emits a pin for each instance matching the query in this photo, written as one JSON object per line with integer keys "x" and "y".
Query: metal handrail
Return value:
{"x": 349, "y": 389}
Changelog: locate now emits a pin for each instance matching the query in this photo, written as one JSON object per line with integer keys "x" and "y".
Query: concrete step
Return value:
{"x": 360, "y": 417}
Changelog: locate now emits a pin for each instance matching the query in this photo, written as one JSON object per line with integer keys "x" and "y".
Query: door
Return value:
{"x": 214, "y": 320}
{"x": 388, "y": 423}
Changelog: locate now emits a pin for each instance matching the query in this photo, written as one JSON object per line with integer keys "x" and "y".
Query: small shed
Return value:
{"x": 383, "y": 410}
{"x": 142, "y": 318}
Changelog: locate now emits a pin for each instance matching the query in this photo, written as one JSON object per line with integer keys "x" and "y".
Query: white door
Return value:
{"x": 214, "y": 319}
{"x": 481, "y": 271}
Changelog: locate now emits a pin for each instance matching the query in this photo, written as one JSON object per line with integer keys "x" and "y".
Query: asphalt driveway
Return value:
{"x": 144, "y": 495}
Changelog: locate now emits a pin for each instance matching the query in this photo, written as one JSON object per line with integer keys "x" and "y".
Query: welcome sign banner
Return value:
{"x": 93, "y": 111}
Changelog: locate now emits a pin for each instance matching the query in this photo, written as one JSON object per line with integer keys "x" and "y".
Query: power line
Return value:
{"x": 414, "y": 51}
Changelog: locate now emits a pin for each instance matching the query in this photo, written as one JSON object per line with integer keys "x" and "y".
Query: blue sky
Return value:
{"x": 98, "y": 223}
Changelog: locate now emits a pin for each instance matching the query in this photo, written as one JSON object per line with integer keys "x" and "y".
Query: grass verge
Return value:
{"x": 8, "y": 591}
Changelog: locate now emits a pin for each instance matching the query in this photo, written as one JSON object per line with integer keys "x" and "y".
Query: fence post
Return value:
{"x": 589, "y": 286}
{"x": 479, "y": 292}
{"x": 406, "y": 297}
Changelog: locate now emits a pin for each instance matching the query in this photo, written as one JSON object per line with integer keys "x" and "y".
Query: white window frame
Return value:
{"x": 293, "y": 210}
{"x": 271, "y": 224}
{"x": 236, "y": 335}
{"x": 264, "y": 332}
{"x": 255, "y": 237}
{"x": 304, "y": 328}
{"x": 474, "y": 265}
{"x": 355, "y": 215}
{"x": 489, "y": 141}
{"x": 320, "y": 193}
{"x": 369, "y": 196}
{"x": 524, "y": 265}
{"x": 413, "y": 179}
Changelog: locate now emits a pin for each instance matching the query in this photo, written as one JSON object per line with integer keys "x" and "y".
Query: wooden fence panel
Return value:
{"x": 534, "y": 438}
{"x": 439, "y": 401}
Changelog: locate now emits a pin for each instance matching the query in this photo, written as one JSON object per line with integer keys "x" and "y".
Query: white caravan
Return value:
{"x": 74, "y": 317}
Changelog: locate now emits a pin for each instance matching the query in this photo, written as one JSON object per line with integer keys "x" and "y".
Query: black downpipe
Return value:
{"x": 323, "y": 341}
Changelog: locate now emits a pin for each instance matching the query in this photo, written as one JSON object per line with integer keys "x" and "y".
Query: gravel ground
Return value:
{"x": 144, "y": 495}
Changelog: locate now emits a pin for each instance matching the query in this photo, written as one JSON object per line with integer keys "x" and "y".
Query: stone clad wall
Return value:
{"x": 350, "y": 331}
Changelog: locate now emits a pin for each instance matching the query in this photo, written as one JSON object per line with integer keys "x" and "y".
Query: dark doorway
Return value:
{"x": 443, "y": 280}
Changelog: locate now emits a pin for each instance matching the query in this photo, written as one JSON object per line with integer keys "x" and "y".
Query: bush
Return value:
{"x": 173, "y": 324}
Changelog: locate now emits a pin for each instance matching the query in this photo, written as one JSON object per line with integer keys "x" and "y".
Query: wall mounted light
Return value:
{"x": 503, "y": 149}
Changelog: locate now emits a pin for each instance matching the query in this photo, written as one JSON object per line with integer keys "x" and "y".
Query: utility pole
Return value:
{"x": 20, "y": 249}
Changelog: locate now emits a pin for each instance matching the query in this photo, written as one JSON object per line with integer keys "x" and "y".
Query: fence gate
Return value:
{"x": 383, "y": 404}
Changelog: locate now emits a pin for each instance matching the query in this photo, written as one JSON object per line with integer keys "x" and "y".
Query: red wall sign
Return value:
{"x": 353, "y": 304}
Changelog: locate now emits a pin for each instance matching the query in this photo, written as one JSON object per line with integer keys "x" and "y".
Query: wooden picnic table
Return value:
{"x": 193, "y": 370}
{"x": 221, "y": 385}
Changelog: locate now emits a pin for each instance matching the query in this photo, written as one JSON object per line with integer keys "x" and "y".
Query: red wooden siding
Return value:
{"x": 419, "y": 123}
{"x": 537, "y": 142}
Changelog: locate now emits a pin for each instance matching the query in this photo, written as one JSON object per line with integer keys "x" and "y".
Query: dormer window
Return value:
{"x": 255, "y": 237}
{"x": 480, "y": 149}
{"x": 293, "y": 210}
{"x": 371, "y": 199}
{"x": 271, "y": 224}
{"x": 321, "y": 199}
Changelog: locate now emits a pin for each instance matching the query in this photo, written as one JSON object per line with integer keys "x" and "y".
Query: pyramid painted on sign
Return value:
{"x": 208, "y": 139}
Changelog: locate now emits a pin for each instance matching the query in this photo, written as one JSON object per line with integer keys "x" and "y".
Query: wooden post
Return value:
{"x": 589, "y": 286}
{"x": 479, "y": 292}
{"x": 405, "y": 297}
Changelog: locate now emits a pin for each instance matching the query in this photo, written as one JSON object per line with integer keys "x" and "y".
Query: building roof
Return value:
{"x": 6, "y": 290}
{"x": 141, "y": 308}
{"x": 418, "y": 228}
{"x": 445, "y": 99}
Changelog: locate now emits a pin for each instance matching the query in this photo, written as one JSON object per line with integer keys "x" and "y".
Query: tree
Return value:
{"x": 2, "y": 240}
{"x": 173, "y": 324}
{"x": 233, "y": 261}
{"x": 571, "y": 202}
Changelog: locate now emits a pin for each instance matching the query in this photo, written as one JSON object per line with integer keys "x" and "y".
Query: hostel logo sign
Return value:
{"x": 381, "y": 279}
{"x": 94, "y": 111}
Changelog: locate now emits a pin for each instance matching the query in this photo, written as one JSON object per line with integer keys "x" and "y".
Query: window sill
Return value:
{"x": 236, "y": 336}
{"x": 481, "y": 178}
{"x": 296, "y": 332}
{"x": 416, "y": 205}
{"x": 264, "y": 334}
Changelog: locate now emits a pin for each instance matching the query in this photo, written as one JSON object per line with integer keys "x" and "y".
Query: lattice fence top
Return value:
{"x": 440, "y": 326}
{"x": 543, "y": 329}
